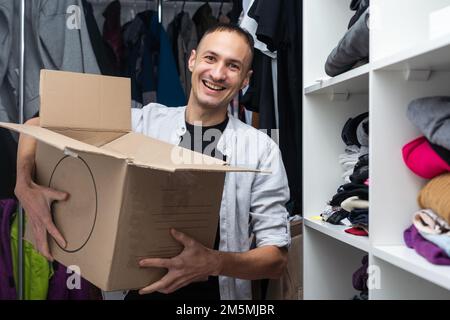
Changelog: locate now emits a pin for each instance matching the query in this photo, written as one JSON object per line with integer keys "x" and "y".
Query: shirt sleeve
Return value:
{"x": 270, "y": 193}
{"x": 137, "y": 120}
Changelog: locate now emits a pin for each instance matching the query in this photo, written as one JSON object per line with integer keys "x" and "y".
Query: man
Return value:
{"x": 251, "y": 202}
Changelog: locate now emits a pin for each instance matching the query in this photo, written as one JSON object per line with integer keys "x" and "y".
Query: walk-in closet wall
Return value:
{"x": 402, "y": 24}
{"x": 324, "y": 115}
{"x": 323, "y": 27}
{"x": 394, "y": 188}
{"x": 409, "y": 59}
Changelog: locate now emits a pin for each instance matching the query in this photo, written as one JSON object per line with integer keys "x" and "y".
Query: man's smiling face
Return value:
{"x": 220, "y": 68}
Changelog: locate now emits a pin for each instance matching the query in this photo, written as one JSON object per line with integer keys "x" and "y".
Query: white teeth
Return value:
{"x": 213, "y": 87}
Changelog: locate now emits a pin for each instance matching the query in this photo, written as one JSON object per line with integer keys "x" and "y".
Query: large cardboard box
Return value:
{"x": 290, "y": 285}
{"x": 126, "y": 190}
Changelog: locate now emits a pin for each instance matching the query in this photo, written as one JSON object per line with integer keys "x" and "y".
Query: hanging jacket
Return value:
{"x": 41, "y": 280}
{"x": 170, "y": 91}
{"x": 56, "y": 38}
{"x": 203, "y": 19}
{"x": 37, "y": 271}
{"x": 7, "y": 284}
{"x": 112, "y": 33}
{"x": 8, "y": 111}
{"x": 183, "y": 38}
{"x": 150, "y": 62}
{"x": 103, "y": 52}
{"x": 8, "y": 157}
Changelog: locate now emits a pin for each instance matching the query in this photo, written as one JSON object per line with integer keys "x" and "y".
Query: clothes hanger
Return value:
{"x": 182, "y": 7}
{"x": 220, "y": 9}
{"x": 133, "y": 10}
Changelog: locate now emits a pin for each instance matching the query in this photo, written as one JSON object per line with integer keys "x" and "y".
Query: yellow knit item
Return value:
{"x": 436, "y": 196}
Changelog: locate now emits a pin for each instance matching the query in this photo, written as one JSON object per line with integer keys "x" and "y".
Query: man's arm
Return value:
{"x": 260, "y": 263}
{"x": 196, "y": 263}
{"x": 36, "y": 199}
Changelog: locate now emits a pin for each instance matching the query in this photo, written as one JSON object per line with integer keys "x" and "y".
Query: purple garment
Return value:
{"x": 7, "y": 285}
{"x": 58, "y": 289}
{"x": 360, "y": 276}
{"x": 425, "y": 248}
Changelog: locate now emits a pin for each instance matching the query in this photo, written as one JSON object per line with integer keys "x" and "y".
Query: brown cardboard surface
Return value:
{"x": 59, "y": 141}
{"x": 97, "y": 139}
{"x": 151, "y": 153}
{"x": 155, "y": 202}
{"x": 75, "y": 217}
{"x": 126, "y": 190}
{"x": 84, "y": 101}
{"x": 288, "y": 286}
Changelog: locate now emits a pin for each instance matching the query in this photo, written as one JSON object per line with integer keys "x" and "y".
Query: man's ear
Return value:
{"x": 191, "y": 61}
{"x": 247, "y": 79}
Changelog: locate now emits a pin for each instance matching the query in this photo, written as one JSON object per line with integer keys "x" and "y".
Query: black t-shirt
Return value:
{"x": 199, "y": 139}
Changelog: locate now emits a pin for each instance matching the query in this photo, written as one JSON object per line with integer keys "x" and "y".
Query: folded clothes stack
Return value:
{"x": 429, "y": 157}
{"x": 350, "y": 205}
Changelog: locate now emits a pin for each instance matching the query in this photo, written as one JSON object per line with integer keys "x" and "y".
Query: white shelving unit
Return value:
{"x": 337, "y": 232}
{"x": 402, "y": 42}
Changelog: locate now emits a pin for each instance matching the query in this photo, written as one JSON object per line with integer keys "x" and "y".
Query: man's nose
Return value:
{"x": 218, "y": 72}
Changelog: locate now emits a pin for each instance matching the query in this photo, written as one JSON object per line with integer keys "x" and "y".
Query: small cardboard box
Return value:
{"x": 126, "y": 190}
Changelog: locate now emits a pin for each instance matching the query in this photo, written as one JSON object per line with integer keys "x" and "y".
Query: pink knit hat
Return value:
{"x": 423, "y": 160}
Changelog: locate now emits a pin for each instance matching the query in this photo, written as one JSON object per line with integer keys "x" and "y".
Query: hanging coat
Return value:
{"x": 56, "y": 38}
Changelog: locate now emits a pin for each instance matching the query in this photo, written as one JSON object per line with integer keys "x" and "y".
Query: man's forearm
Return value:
{"x": 267, "y": 262}
{"x": 26, "y": 158}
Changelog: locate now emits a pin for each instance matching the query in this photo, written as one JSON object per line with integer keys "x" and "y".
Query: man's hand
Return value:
{"x": 195, "y": 263}
{"x": 36, "y": 201}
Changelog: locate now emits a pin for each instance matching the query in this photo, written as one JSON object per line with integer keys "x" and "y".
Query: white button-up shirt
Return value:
{"x": 251, "y": 202}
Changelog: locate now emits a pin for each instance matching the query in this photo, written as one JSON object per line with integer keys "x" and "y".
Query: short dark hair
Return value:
{"x": 223, "y": 27}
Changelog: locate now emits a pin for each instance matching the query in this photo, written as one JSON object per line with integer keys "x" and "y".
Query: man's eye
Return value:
{"x": 233, "y": 66}
{"x": 210, "y": 58}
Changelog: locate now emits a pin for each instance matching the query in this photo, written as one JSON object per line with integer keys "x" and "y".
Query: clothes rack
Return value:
{"x": 160, "y": 4}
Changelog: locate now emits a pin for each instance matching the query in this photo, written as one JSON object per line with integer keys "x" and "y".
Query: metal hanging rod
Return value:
{"x": 160, "y": 3}
{"x": 167, "y": 2}
{"x": 20, "y": 266}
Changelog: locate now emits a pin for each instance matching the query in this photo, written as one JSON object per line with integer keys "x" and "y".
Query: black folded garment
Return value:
{"x": 349, "y": 131}
{"x": 337, "y": 217}
{"x": 359, "y": 6}
{"x": 361, "y": 170}
{"x": 443, "y": 153}
{"x": 359, "y": 216}
{"x": 349, "y": 190}
{"x": 353, "y": 47}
